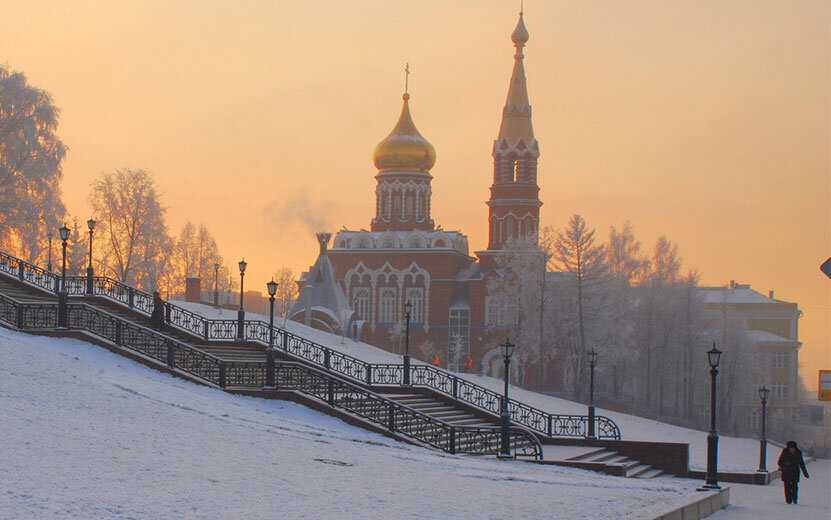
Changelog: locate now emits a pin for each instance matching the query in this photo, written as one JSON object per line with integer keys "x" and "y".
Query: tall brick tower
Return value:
{"x": 514, "y": 205}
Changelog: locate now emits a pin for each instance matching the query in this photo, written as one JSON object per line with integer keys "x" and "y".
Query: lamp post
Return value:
{"x": 269, "y": 354}
{"x": 64, "y": 234}
{"x": 407, "y": 307}
{"x": 91, "y": 226}
{"x": 216, "y": 285}
{"x": 763, "y": 442}
{"x": 49, "y": 235}
{"x": 241, "y": 311}
{"x": 713, "y": 357}
{"x": 592, "y": 355}
{"x": 505, "y": 449}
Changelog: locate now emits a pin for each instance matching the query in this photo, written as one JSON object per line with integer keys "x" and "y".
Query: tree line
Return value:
{"x": 570, "y": 293}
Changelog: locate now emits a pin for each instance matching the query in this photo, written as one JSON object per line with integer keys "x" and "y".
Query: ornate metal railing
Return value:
{"x": 447, "y": 383}
{"x": 334, "y": 391}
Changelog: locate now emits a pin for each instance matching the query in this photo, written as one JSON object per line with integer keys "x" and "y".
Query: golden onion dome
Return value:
{"x": 404, "y": 148}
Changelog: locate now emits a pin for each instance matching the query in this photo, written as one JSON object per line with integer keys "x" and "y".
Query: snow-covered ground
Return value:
{"x": 749, "y": 502}
{"x": 85, "y": 433}
{"x": 735, "y": 454}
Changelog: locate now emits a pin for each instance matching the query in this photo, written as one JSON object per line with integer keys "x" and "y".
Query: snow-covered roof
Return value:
{"x": 763, "y": 336}
{"x": 739, "y": 293}
{"x": 415, "y": 239}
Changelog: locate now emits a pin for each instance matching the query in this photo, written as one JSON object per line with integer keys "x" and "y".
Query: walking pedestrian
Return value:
{"x": 790, "y": 463}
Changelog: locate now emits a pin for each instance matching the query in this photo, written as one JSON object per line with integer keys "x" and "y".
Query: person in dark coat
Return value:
{"x": 790, "y": 463}
{"x": 157, "y": 317}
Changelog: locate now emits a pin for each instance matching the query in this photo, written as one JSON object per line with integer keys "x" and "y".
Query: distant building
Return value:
{"x": 772, "y": 327}
{"x": 360, "y": 285}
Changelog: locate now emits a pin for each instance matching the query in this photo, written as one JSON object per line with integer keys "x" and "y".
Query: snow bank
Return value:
{"x": 89, "y": 434}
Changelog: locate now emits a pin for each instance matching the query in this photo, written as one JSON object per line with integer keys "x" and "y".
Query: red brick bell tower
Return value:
{"x": 514, "y": 205}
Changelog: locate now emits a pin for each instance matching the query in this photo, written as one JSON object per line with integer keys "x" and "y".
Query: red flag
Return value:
{"x": 436, "y": 361}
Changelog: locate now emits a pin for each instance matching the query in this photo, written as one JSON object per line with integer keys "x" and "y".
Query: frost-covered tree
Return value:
{"x": 287, "y": 292}
{"x": 577, "y": 254}
{"x": 30, "y": 164}
{"x": 194, "y": 255}
{"x": 516, "y": 295}
{"x": 130, "y": 218}
{"x": 77, "y": 250}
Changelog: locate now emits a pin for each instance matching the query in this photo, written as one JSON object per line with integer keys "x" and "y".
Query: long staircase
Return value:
{"x": 438, "y": 409}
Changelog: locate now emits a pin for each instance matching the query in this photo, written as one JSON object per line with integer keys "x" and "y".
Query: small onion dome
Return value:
{"x": 404, "y": 148}
{"x": 520, "y": 35}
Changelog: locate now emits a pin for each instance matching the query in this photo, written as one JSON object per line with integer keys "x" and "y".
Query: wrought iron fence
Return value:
{"x": 551, "y": 425}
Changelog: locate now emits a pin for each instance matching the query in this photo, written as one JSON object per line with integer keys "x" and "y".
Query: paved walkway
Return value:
{"x": 749, "y": 502}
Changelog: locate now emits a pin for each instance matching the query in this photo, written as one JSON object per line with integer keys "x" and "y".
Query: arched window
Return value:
{"x": 409, "y": 206}
{"x": 386, "y": 305}
{"x": 415, "y": 243}
{"x": 360, "y": 302}
{"x": 439, "y": 243}
{"x": 396, "y": 207}
{"x": 388, "y": 244}
{"x": 415, "y": 297}
{"x": 516, "y": 170}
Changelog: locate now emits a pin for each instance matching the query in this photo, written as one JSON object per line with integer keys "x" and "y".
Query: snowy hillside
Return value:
{"x": 89, "y": 434}
{"x": 735, "y": 454}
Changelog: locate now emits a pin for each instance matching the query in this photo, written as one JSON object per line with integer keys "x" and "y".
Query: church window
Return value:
{"x": 439, "y": 243}
{"x": 409, "y": 206}
{"x": 491, "y": 311}
{"x": 515, "y": 173}
{"x": 510, "y": 224}
{"x": 415, "y": 243}
{"x": 396, "y": 207}
{"x": 386, "y": 305}
{"x": 388, "y": 244}
{"x": 363, "y": 244}
{"x": 415, "y": 297}
{"x": 361, "y": 302}
{"x": 511, "y": 315}
{"x": 458, "y": 339}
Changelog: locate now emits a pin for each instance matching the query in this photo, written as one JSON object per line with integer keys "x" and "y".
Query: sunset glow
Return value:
{"x": 707, "y": 121}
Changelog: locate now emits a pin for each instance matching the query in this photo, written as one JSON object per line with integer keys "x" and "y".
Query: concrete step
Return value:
{"x": 637, "y": 470}
{"x": 602, "y": 456}
{"x": 652, "y": 473}
{"x": 586, "y": 456}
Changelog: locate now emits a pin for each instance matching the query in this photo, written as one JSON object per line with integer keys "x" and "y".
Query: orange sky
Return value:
{"x": 707, "y": 121}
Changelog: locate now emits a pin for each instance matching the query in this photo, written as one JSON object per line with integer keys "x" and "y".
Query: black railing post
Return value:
{"x": 284, "y": 335}
{"x": 118, "y": 333}
{"x": 453, "y": 439}
{"x": 168, "y": 310}
{"x": 331, "y": 392}
{"x": 368, "y": 374}
{"x": 391, "y": 417}
{"x": 455, "y": 387}
{"x": 20, "y": 270}
{"x": 171, "y": 356}
{"x": 327, "y": 356}
{"x": 207, "y": 330}
{"x": 20, "y": 317}
{"x": 62, "y": 310}
{"x": 222, "y": 374}
{"x": 550, "y": 425}
{"x": 131, "y": 296}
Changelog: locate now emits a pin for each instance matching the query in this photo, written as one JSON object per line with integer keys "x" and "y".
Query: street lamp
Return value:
{"x": 241, "y": 311}
{"x": 713, "y": 357}
{"x": 49, "y": 235}
{"x": 507, "y": 349}
{"x": 91, "y": 226}
{"x": 216, "y": 285}
{"x": 64, "y": 234}
{"x": 269, "y": 354}
{"x": 763, "y": 442}
{"x": 407, "y": 307}
{"x": 592, "y": 355}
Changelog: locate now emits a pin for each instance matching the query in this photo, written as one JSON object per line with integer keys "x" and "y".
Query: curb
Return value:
{"x": 701, "y": 508}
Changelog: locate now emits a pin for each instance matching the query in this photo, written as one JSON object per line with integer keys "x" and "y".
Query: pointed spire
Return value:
{"x": 516, "y": 116}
